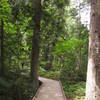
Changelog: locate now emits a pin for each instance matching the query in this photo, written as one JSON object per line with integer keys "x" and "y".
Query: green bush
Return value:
{"x": 16, "y": 87}
{"x": 49, "y": 74}
{"x": 76, "y": 91}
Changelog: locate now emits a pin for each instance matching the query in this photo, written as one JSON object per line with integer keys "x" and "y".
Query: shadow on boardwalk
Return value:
{"x": 50, "y": 90}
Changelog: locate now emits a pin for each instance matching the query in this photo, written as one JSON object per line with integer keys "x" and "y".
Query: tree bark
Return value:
{"x": 49, "y": 54}
{"x": 93, "y": 73}
{"x": 35, "y": 43}
{"x": 2, "y": 48}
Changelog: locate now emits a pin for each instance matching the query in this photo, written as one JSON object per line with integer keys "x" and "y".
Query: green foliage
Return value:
{"x": 4, "y": 9}
{"x": 16, "y": 87}
{"x": 76, "y": 91}
{"x": 70, "y": 53}
{"x": 49, "y": 74}
{"x": 4, "y": 83}
{"x": 63, "y": 45}
{"x": 22, "y": 89}
{"x": 69, "y": 46}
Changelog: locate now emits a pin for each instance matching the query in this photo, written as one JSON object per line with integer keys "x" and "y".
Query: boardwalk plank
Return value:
{"x": 50, "y": 90}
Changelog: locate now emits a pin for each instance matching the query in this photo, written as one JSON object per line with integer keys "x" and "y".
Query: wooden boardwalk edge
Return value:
{"x": 62, "y": 90}
{"x": 34, "y": 98}
{"x": 38, "y": 91}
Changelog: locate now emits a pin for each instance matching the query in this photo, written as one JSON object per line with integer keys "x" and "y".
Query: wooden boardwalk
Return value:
{"x": 49, "y": 90}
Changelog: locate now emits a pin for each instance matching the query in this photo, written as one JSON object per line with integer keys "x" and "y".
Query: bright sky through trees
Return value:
{"x": 84, "y": 12}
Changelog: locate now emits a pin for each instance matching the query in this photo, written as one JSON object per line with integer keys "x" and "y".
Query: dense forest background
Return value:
{"x": 41, "y": 38}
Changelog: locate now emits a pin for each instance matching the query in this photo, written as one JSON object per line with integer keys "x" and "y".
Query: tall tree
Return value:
{"x": 35, "y": 43}
{"x": 2, "y": 48}
{"x": 93, "y": 73}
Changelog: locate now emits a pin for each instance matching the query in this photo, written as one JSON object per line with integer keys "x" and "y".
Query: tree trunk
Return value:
{"x": 49, "y": 54}
{"x": 93, "y": 73}
{"x": 1, "y": 48}
{"x": 35, "y": 44}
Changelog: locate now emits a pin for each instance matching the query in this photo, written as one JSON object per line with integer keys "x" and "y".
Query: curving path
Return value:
{"x": 49, "y": 90}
